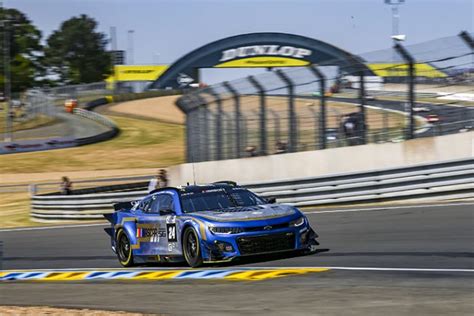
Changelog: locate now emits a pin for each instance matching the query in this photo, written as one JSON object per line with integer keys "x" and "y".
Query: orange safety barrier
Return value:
{"x": 70, "y": 105}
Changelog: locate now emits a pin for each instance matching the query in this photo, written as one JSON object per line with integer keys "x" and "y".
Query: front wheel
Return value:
{"x": 124, "y": 249}
{"x": 191, "y": 248}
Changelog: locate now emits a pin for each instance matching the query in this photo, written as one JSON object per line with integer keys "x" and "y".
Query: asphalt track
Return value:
{"x": 420, "y": 237}
{"x": 448, "y": 113}
{"x": 437, "y": 237}
{"x": 68, "y": 125}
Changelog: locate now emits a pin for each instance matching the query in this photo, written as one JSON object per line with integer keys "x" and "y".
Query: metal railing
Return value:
{"x": 445, "y": 180}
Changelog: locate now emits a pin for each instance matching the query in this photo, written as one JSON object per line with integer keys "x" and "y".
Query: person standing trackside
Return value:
{"x": 159, "y": 181}
{"x": 66, "y": 186}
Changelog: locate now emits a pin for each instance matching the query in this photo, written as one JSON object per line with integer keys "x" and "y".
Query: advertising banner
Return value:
{"x": 137, "y": 72}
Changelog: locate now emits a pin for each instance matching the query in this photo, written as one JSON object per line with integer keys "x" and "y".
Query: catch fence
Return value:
{"x": 385, "y": 96}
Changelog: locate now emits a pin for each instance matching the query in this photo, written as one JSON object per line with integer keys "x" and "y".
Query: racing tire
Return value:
{"x": 192, "y": 248}
{"x": 124, "y": 249}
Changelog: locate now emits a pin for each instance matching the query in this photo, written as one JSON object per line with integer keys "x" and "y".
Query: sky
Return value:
{"x": 166, "y": 30}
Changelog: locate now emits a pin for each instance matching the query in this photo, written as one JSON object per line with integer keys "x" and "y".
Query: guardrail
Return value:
{"x": 111, "y": 133}
{"x": 446, "y": 180}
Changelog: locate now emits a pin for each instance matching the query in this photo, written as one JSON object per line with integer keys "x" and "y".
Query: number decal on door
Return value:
{"x": 171, "y": 229}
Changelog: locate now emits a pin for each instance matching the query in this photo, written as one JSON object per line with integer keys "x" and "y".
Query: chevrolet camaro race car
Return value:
{"x": 205, "y": 224}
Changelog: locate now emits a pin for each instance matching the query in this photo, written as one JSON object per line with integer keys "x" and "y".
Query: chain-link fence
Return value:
{"x": 32, "y": 114}
{"x": 385, "y": 96}
{"x": 33, "y": 108}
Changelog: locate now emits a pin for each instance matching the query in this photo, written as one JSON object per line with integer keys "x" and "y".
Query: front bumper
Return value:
{"x": 223, "y": 248}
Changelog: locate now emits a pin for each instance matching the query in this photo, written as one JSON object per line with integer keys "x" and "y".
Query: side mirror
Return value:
{"x": 271, "y": 200}
{"x": 166, "y": 212}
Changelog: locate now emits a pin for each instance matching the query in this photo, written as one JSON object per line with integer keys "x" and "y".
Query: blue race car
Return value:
{"x": 200, "y": 224}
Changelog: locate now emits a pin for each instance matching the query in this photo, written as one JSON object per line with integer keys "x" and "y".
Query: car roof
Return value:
{"x": 195, "y": 188}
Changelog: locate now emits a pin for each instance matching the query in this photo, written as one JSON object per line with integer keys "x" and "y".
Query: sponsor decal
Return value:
{"x": 171, "y": 229}
{"x": 259, "y": 62}
{"x": 150, "y": 234}
{"x": 262, "y": 50}
{"x": 137, "y": 72}
{"x": 401, "y": 70}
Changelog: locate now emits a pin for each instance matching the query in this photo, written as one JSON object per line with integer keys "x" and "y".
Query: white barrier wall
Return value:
{"x": 329, "y": 161}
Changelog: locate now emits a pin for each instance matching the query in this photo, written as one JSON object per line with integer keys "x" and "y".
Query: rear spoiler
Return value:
{"x": 123, "y": 206}
{"x": 119, "y": 207}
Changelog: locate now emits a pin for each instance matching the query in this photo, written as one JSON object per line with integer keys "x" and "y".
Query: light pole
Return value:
{"x": 130, "y": 46}
{"x": 395, "y": 16}
{"x": 395, "y": 22}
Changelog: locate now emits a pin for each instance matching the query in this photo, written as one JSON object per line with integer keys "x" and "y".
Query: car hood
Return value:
{"x": 247, "y": 213}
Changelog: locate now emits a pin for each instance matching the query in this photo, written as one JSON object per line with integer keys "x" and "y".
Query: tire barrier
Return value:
{"x": 91, "y": 105}
{"x": 441, "y": 181}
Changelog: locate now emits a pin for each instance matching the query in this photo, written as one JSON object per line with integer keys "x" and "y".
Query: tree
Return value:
{"x": 76, "y": 52}
{"x": 25, "y": 50}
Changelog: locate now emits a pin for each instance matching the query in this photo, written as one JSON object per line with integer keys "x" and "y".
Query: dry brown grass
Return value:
{"x": 141, "y": 144}
{"x": 164, "y": 109}
{"x": 161, "y": 108}
{"x": 38, "y": 121}
{"x": 14, "y": 211}
{"x": 46, "y": 310}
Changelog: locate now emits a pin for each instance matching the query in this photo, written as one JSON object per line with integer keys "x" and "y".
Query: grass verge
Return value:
{"x": 38, "y": 121}
{"x": 140, "y": 144}
{"x": 15, "y": 210}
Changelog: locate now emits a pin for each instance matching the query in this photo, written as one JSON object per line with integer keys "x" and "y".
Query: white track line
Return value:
{"x": 239, "y": 268}
{"x": 388, "y": 208}
{"x": 399, "y": 269}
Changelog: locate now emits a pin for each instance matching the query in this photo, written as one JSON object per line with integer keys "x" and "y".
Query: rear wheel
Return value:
{"x": 124, "y": 249}
{"x": 191, "y": 248}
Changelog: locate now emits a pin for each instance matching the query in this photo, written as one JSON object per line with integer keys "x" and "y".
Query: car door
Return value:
{"x": 157, "y": 226}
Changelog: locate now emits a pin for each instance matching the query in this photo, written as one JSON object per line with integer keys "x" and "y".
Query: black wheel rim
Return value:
{"x": 192, "y": 246}
{"x": 123, "y": 248}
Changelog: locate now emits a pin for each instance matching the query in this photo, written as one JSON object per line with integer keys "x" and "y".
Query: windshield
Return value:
{"x": 218, "y": 199}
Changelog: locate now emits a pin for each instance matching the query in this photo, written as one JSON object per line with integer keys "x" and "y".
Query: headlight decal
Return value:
{"x": 298, "y": 222}
{"x": 226, "y": 230}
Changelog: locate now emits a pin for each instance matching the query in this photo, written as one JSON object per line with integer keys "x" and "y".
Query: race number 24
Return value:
{"x": 171, "y": 229}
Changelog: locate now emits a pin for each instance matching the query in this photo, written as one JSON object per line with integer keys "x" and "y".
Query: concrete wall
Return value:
{"x": 329, "y": 161}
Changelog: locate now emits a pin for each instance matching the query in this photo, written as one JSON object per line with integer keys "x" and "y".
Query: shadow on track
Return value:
{"x": 245, "y": 260}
